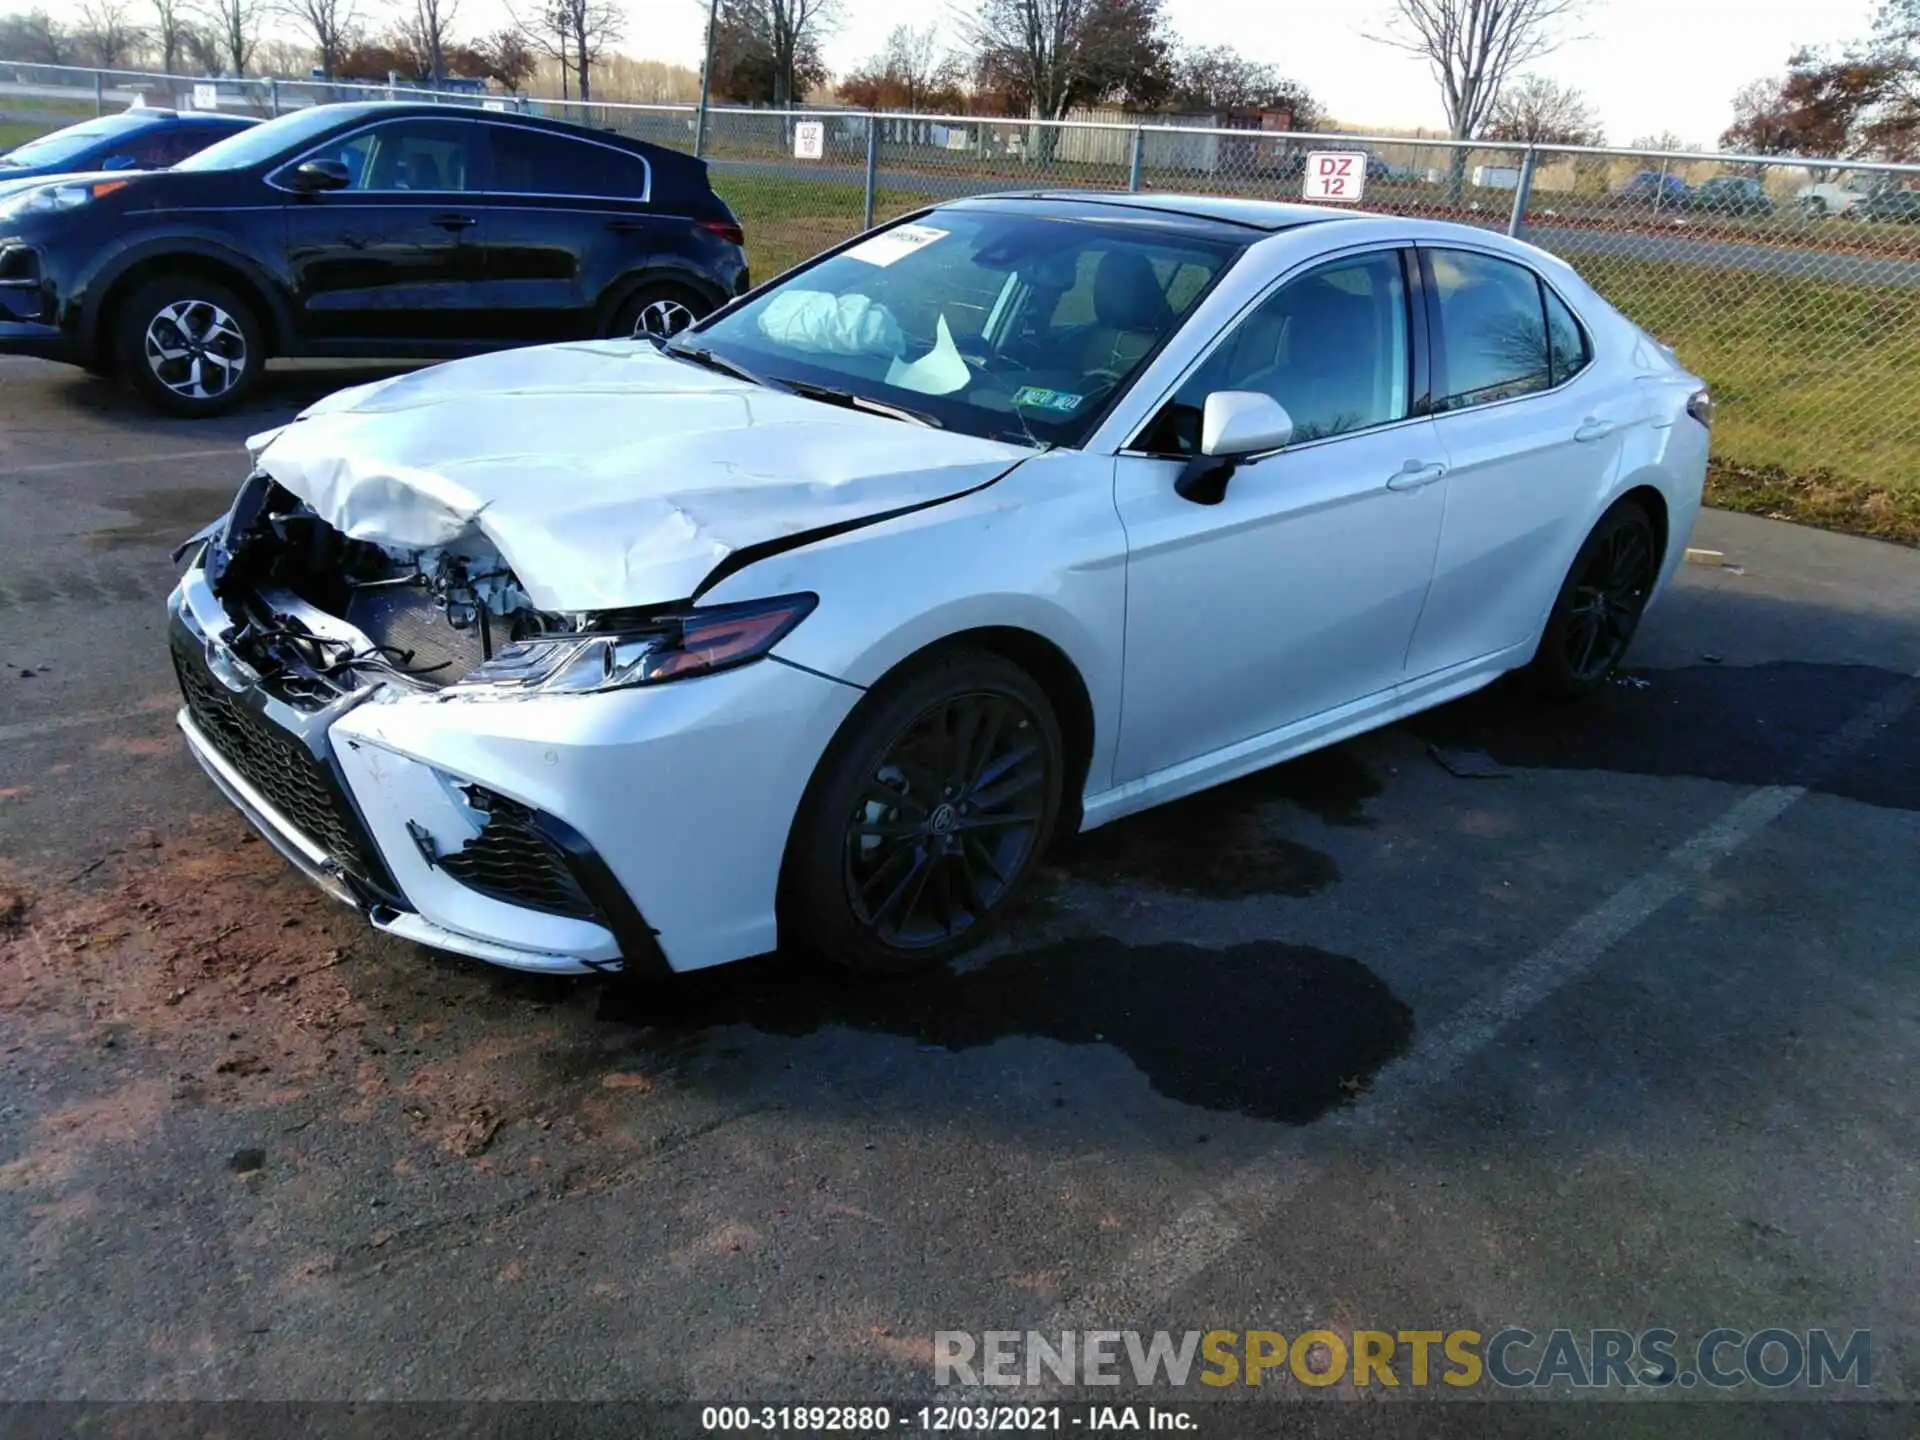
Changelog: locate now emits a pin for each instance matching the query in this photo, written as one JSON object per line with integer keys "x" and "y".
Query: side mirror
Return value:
{"x": 1234, "y": 425}
{"x": 1243, "y": 422}
{"x": 119, "y": 162}
{"x": 317, "y": 175}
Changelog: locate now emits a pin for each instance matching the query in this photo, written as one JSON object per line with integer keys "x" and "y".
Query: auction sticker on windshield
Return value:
{"x": 1335, "y": 175}
{"x": 896, "y": 244}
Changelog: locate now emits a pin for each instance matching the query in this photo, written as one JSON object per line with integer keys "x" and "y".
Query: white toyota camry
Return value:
{"x": 812, "y": 625}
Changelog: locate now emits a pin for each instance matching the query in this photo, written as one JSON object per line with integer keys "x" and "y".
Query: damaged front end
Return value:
{"x": 282, "y": 626}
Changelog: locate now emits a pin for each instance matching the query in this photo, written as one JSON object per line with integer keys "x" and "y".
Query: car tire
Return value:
{"x": 189, "y": 346}
{"x": 1598, "y": 609}
{"x": 930, "y": 808}
{"x": 661, "y": 310}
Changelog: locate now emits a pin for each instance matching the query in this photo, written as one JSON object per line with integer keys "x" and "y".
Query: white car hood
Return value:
{"x": 605, "y": 474}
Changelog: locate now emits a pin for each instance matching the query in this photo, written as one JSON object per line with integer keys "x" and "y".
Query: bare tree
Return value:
{"x": 108, "y": 32}
{"x": 203, "y": 48}
{"x": 35, "y": 37}
{"x": 789, "y": 31}
{"x": 576, "y": 33}
{"x": 236, "y": 27}
{"x": 1052, "y": 55}
{"x": 331, "y": 26}
{"x": 428, "y": 29}
{"x": 546, "y": 31}
{"x": 1540, "y": 111}
{"x": 169, "y": 33}
{"x": 1472, "y": 46}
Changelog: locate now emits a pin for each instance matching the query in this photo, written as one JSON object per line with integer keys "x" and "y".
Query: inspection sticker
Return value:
{"x": 895, "y": 244}
{"x": 1061, "y": 402}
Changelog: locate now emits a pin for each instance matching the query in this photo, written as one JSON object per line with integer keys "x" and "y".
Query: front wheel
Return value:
{"x": 189, "y": 346}
{"x": 927, "y": 813}
{"x": 1599, "y": 606}
{"x": 657, "y": 312}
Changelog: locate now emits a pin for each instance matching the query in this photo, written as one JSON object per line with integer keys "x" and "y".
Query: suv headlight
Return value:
{"x": 651, "y": 652}
{"x": 61, "y": 195}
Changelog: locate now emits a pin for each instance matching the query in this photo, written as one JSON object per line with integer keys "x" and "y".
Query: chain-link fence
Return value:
{"x": 1792, "y": 285}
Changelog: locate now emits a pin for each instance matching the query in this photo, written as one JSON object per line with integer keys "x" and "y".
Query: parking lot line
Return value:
{"x": 1208, "y": 1229}
{"x": 225, "y": 452}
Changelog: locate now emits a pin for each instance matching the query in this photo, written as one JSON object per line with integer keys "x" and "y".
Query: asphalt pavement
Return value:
{"x": 1608, "y": 1021}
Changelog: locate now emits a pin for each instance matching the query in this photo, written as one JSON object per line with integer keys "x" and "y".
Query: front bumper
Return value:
{"x": 642, "y": 829}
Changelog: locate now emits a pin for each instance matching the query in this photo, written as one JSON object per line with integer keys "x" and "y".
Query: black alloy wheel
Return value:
{"x": 927, "y": 813}
{"x": 948, "y": 818}
{"x": 1599, "y": 607}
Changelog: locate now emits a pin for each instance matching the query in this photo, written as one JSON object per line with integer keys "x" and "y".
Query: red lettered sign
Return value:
{"x": 1338, "y": 175}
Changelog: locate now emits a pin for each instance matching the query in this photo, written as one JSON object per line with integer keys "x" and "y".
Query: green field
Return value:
{"x": 1818, "y": 386}
{"x": 18, "y": 132}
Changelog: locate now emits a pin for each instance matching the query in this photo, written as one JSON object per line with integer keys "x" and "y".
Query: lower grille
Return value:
{"x": 286, "y": 773}
{"x": 513, "y": 860}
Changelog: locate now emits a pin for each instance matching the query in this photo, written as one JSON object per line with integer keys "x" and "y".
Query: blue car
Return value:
{"x": 136, "y": 139}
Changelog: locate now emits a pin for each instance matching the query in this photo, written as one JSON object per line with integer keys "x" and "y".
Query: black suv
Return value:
{"x": 377, "y": 230}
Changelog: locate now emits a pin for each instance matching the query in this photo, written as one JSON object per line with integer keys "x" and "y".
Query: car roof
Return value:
{"x": 358, "y": 110}
{"x": 160, "y": 115}
{"x": 1211, "y": 211}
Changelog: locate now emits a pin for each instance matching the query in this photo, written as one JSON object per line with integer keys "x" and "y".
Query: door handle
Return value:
{"x": 1415, "y": 476}
{"x": 454, "y": 222}
{"x": 1592, "y": 429}
{"x": 626, "y": 227}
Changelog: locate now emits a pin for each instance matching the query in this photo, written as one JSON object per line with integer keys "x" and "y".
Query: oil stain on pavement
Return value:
{"x": 1747, "y": 725}
{"x": 1219, "y": 844}
{"x": 161, "y": 519}
{"x": 1272, "y": 1031}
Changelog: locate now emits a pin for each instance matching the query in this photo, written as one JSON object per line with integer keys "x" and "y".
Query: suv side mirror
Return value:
{"x": 1235, "y": 426}
{"x": 316, "y": 175}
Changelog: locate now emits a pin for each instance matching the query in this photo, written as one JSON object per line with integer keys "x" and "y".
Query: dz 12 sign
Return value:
{"x": 809, "y": 140}
{"x": 1335, "y": 175}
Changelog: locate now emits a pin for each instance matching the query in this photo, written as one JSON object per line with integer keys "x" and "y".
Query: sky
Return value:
{"x": 1647, "y": 66}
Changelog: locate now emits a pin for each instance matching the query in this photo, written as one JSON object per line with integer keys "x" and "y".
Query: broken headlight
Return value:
{"x": 662, "y": 648}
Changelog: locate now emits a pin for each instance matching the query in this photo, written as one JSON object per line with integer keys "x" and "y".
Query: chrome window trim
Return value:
{"x": 646, "y": 190}
{"x": 1280, "y": 282}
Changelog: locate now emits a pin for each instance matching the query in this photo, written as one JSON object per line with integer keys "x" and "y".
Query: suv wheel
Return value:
{"x": 657, "y": 311}
{"x": 189, "y": 346}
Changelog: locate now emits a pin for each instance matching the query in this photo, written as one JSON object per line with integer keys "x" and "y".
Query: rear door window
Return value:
{"x": 534, "y": 162}
{"x": 1493, "y": 329}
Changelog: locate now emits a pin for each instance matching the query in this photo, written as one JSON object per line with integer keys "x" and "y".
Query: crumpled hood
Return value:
{"x": 605, "y": 474}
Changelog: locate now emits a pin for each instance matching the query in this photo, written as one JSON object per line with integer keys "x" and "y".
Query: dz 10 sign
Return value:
{"x": 1335, "y": 175}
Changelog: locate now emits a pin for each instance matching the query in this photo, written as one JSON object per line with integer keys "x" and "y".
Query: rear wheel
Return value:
{"x": 1599, "y": 606}
{"x": 658, "y": 311}
{"x": 928, "y": 812}
{"x": 189, "y": 346}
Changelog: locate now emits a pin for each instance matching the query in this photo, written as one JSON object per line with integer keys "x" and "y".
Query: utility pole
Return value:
{"x": 706, "y": 81}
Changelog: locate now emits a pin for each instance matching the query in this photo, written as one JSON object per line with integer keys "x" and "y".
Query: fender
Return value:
{"x": 92, "y": 287}
{"x": 659, "y": 269}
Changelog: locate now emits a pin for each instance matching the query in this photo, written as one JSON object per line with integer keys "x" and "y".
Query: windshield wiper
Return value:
{"x": 698, "y": 356}
{"x": 850, "y": 401}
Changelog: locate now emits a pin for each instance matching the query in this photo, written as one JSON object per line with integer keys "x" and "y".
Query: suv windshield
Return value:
{"x": 995, "y": 323}
{"x": 264, "y": 141}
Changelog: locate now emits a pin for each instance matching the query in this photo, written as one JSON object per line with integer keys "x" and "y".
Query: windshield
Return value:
{"x": 266, "y": 140}
{"x": 994, "y": 323}
{"x": 72, "y": 142}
